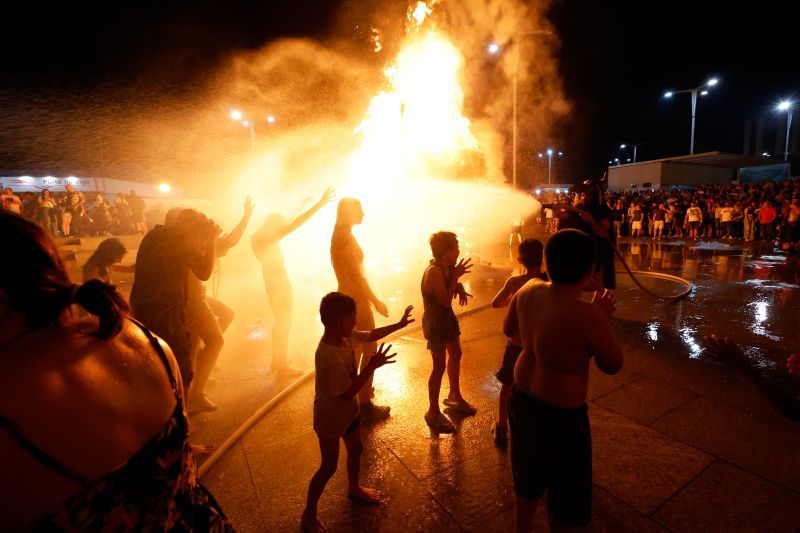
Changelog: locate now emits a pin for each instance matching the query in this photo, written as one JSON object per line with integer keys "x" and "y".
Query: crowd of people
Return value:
{"x": 73, "y": 213}
{"x": 93, "y": 406}
{"x": 756, "y": 211}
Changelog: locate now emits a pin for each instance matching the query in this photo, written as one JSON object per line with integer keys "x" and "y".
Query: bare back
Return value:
{"x": 88, "y": 403}
{"x": 559, "y": 335}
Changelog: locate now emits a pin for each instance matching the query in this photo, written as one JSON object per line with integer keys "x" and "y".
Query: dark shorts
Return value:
{"x": 694, "y": 224}
{"x": 551, "y": 449}
{"x": 440, "y": 328}
{"x": 506, "y": 373}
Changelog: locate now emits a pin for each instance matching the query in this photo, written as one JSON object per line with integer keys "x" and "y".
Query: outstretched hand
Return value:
{"x": 406, "y": 320}
{"x": 248, "y": 206}
{"x": 724, "y": 349}
{"x": 382, "y": 357}
{"x": 463, "y": 295}
{"x": 463, "y": 267}
{"x": 327, "y": 196}
{"x": 606, "y": 301}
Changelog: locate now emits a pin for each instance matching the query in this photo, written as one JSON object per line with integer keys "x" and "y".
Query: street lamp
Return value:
{"x": 788, "y": 106}
{"x": 494, "y": 48}
{"x": 550, "y": 153}
{"x": 237, "y": 116}
{"x": 703, "y": 90}
{"x": 635, "y": 146}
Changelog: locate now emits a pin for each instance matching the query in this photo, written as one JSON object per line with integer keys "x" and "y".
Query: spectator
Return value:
{"x": 47, "y": 212}
{"x": 11, "y": 202}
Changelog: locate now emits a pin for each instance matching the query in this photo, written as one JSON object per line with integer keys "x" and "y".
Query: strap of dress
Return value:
{"x": 157, "y": 347}
{"x": 40, "y": 455}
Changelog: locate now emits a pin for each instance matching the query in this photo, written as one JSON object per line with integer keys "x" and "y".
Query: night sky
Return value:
{"x": 617, "y": 59}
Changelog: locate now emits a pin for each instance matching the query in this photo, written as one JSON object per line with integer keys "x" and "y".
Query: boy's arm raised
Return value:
{"x": 379, "y": 333}
{"x": 380, "y": 358}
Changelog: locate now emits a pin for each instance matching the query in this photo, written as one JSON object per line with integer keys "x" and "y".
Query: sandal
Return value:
{"x": 440, "y": 424}
{"x": 461, "y": 406}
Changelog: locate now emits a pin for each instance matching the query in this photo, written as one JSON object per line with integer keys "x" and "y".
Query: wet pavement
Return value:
{"x": 679, "y": 442}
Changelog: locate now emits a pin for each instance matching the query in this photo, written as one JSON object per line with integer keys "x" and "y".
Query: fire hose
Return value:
{"x": 633, "y": 273}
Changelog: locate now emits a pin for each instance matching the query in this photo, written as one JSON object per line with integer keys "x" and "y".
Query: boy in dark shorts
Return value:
{"x": 530, "y": 256}
{"x": 336, "y": 385}
{"x": 551, "y": 447}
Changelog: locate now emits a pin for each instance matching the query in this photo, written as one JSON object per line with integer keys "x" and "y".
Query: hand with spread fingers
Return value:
{"x": 462, "y": 267}
{"x": 606, "y": 301}
{"x": 382, "y": 357}
{"x": 406, "y": 320}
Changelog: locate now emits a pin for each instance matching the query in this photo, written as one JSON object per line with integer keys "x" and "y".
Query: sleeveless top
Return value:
{"x": 439, "y": 322}
{"x": 156, "y": 488}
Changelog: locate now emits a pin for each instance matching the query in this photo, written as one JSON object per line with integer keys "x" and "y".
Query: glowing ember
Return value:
{"x": 376, "y": 40}
{"x": 419, "y": 13}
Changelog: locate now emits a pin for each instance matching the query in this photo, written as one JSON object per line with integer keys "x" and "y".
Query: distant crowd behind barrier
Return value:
{"x": 747, "y": 211}
{"x": 74, "y": 213}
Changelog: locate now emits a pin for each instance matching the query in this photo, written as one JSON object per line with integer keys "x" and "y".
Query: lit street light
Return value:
{"x": 623, "y": 146}
{"x": 237, "y": 116}
{"x": 550, "y": 153}
{"x": 493, "y": 49}
{"x": 703, "y": 91}
{"x": 788, "y": 106}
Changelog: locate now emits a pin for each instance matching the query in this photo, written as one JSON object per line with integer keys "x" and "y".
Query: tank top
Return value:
{"x": 156, "y": 488}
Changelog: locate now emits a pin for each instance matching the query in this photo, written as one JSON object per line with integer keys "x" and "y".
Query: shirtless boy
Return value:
{"x": 560, "y": 334}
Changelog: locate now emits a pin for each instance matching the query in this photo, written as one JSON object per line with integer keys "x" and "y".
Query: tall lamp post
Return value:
{"x": 635, "y": 146}
{"x": 237, "y": 116}
{"x": 494, "y": 49}
{"x": 703, "y": 90}
{"x": 788, "y": 106}
{"x": 550, "y": 153}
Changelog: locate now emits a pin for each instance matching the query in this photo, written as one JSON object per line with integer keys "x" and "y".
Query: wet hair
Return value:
{"x": 345, "y": 210}
{"x": 333, "y": 306}
{"x": 37, "y": 285}
{"x": 442, "y": 242}
{"x": 570, "y": 255}
{"x": 530, "y": 253}
{"x": 108, "y": 252}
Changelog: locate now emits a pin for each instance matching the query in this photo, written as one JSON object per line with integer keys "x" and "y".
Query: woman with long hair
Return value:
{"x": 347, "y": 258}
{"x": 106, "y": 258}
{"x": 266, "y": 247}
{"x": 93, "y": 434}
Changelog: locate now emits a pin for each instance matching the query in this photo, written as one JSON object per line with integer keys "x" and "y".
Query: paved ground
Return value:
{"x": 679, "y": 443}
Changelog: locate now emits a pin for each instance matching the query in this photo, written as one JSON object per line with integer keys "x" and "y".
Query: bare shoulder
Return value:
{"x": 432, "y": 275}
{"x": 532, "y": 286}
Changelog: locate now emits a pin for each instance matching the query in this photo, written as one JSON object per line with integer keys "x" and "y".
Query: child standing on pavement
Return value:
{"x": 530, "y": 257}
{"x": 440, "y": 326}
{"x": 551, "y": 444}
{"x": 336, "y": 385}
